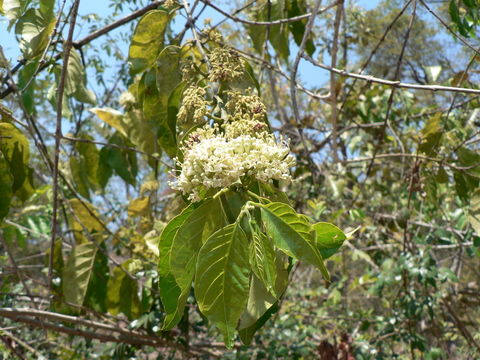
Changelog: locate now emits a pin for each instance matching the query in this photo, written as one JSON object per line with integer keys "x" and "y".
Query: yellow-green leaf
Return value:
{"x": 77, "y": 272}
{"x": 139, "y": 206}
{"x": 35, "y": 29}
{"x": 474, "y": 211}
{"x": 147, "y": 40}
{"x": 112, "y": 117}
{"x": 222, "y": 279}
{"x": 6, "y": 182}
{"x": 122, "y": 293}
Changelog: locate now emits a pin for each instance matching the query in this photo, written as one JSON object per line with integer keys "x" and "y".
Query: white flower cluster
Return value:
{"x": 218, "y": 162}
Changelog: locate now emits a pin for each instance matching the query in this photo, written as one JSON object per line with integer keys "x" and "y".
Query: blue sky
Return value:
{"x": 311, "y": 76}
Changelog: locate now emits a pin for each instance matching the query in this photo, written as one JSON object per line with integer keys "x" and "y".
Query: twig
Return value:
{"x": 449, "y": 28}
{"x": 116, "y": 333}
{"x": 96, "y": 34}
{"x": 269, "y": 23}
{"x": 293, "y": 82}
{"x": 333, "y": 84}
{"x": 392, "y": 83}
{"x": 87, "y": 39}
{"x": 21, "y": 342}
{"x": 15, "y": 267}
{"x": 458, "y": 322}
{"x": 401, "y": 155}
{"x": 58, "y": 134}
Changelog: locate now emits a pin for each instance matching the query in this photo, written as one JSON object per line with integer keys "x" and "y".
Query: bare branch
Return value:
{"x": 268, "y": 23}
{"x": 333, "y": 83}
{"x": 395, "y": 84}
{"x": 58, "y": 134}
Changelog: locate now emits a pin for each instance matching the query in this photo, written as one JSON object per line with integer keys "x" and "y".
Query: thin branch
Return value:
{"x": 87, "y": 39}
{"x": 115, "y": 334}
{"x": 445, "y": 25}
{"x": 402, "y": 155}
{"x": 191, "y": 24}
{"x": 293, "y": 78}
{"x": 58, "y": 134}
{"x": 68, "y": 318}
{"x": 333, "y": 84}
{"x": 377, "y": 46}
{"x": 100, "y": 32}
{"x": 269, "y": 23}
{"x": 460, "y": 325}
{"x": 15, "y": 267}
{"x": 392, "y": 83}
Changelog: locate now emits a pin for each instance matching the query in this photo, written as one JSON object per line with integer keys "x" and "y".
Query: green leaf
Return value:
{"x": 96, "y": 296}
{"x": 169, "y": 77}
{"x": 24, "y": 76}
{"x": 292, "y": 234}
{"x": 258, "y": 34}
{"x": 35, "y": 29}
{"x": 47, "y": 6}
{"x": 260, "y": 299}
{"x": 329, "y": 238}
{"x": 297, "y": 28}
{"x": 279, "y": 33}
{"x": 84, "y": 166}
{"x": 262, "y": 260}
{"x": 124, "y": 162}
{"x": 142, "y": 133}
{"x": 90, "y": 158}
{"x": 139, "y": 206}
{"x": 169, "y": 290}
{"x": 469, "y": 158}
{"x": 12, "y": 9}
{"x": 104, "y": 170}
{"x": 222, "y": 279}
{"x": 147, "y": 40}
{"x": 77, "y": 272}
{"x": 76, "y": 80}
{"x": 453, "y": 11}
{"x": 6, "y": 182}
{"x": 186, "y": 244}
{"x": 79, "y": 176}
{"x": 174, "y": 102}
{"x": 122, "y": 293}
{"x": 455, "y": 16}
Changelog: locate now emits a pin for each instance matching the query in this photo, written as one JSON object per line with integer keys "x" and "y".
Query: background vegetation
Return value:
{"x": 380, "y": 104}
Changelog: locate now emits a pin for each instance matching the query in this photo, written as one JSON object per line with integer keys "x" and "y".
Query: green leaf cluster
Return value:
{"x": 236, "y": 259}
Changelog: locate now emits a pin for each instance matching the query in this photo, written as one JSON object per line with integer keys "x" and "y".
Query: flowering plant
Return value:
{"x": 237, "y": 238}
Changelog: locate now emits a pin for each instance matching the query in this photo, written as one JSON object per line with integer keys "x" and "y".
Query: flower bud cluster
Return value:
{"x": 194, "y": 106}
{"x": 245, "y": 107}
{"x": 225, "y": 65}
